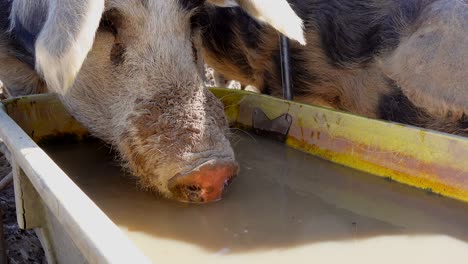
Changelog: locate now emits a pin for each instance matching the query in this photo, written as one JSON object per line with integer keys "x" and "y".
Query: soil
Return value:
{"x": 22, "y": 246}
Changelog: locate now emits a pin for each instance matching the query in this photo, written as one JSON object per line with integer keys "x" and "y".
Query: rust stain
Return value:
{"x": 299, "y": 121}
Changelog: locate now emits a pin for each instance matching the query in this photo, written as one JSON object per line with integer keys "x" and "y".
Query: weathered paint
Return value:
{"x": 42, "y": 117}
{"x": 425, "y": 159}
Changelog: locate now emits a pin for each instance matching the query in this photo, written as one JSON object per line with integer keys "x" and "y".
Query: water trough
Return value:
{"x": 371, "y": 191}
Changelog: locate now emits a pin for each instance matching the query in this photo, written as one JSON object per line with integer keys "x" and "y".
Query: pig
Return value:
{"x": 128, "y": 71}
{"x": 401, "y": 61}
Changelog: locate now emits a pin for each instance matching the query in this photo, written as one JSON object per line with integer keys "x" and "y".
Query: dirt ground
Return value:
{"x": 22, "y": 246}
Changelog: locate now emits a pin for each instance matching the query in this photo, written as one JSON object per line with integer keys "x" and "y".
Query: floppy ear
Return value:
{"x": 277, "y": 13}
{"x": 65, "y": 38}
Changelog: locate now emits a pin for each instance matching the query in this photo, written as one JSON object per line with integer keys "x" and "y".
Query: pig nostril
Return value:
{"x": 229, "y": 181}
{"x": 193, "y": 188}
{"x": 193, "y": 193}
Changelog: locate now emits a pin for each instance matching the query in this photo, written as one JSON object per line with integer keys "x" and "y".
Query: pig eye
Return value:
{"x": 111, "y": 21}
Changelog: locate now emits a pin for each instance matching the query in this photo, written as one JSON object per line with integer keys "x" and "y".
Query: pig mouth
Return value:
{"x": 206, "y": 183}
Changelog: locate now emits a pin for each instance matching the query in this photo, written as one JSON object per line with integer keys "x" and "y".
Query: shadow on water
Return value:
{"x": 282, "y": 198}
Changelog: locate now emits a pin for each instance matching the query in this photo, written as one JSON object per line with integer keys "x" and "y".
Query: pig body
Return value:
{"x": 402, "y": 61}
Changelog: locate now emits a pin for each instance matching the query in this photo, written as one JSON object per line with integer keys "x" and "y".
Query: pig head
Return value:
{"x": 127, "y": 70}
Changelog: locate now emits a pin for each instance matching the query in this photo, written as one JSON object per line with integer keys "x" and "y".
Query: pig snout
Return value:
{"x": 205, "y": 183}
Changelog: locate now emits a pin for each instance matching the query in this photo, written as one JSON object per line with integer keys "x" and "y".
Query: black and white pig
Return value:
{"x": 398, "y": 60}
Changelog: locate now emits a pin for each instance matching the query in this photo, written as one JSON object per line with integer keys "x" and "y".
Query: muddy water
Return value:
{"x": 285, "y": 206}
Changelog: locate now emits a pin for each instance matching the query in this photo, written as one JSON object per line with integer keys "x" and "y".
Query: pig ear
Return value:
{"x": 65, "y": 40}
{"x": 277, "y": 13}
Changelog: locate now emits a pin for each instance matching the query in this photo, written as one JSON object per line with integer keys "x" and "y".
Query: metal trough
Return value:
{"x": 286, "y": 205}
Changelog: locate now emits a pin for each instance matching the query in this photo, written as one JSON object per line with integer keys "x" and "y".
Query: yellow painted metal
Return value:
{"x": 43, "y": 116}
{"x": 422, "y": 158}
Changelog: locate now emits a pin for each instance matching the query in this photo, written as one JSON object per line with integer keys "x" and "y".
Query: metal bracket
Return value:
{"x": 277, "y": 128}
{"x": 286, "y": 77}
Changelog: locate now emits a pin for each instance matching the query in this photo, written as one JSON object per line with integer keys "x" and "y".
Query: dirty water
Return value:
{"x": 285, "y": 206}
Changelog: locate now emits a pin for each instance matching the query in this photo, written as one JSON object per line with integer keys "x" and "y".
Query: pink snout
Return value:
{"x": 206, "y": 183}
